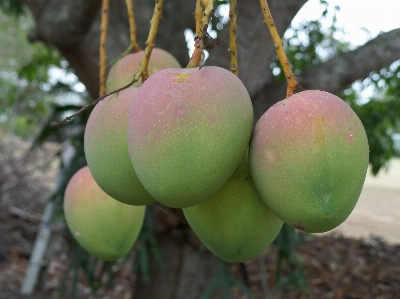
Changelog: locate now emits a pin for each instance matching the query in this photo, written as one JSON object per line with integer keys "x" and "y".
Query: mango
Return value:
{"x": 106, "y": 149}
{"x": 309, "y": 158}
{"x": 234, "y": 224}
{"x": 103, "y": 226}
{"x": 188, "y": 130}
{"x": 122, "y": 71}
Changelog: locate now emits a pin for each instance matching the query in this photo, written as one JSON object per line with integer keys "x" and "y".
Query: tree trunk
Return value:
{"x": 187, "y": 270}
{"x": 185, "y": 273}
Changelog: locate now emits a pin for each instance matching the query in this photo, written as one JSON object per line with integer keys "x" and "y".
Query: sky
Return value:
{"x": 375, "y": 15}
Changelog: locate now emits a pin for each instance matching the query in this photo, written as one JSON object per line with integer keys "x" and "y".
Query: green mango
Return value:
{"x": 309, "y": 157}
{"x": 188, "y": 130}
{"x": 122, "y": 71}
{"x": 234, "y": 224}
{"x": 103, "y": 226}
{"x": 106, "y": 149}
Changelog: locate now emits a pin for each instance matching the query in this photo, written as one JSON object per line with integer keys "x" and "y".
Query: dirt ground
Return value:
{"x": 346, "y": 263}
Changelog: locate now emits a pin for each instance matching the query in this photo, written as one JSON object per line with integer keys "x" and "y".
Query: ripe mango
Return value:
{"x": 234, "y": 224}
{"x": 106, "y": 149}
{"x": 121, "y": 73}
{"x": 188, "y": 130}
{"x": 103, "y": 226}
{"x": 309, "y": 158}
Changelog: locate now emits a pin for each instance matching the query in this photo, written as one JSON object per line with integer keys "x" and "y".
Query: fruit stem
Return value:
{"x": 233, "y": 47}
{"x": 290, "y": 77}
{"x": 103, "y": 54}
{"x": 204, "y": 11}
{"x": 155, "y": 21}
{"x": 151, "y": 39}
{"x": 132, "y": 26}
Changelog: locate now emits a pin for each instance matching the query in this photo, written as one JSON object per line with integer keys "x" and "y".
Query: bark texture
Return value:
{"x": 185, "y": 275}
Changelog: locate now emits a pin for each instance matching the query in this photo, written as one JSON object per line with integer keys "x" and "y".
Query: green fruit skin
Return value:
{"x": 309, "y": 158}
{"x": 234, "y": 224}
{"x": 106, "y": 150}
{"x": 188, "y": 130}
{"x": 103, "y": 226}
{"x": 121, "y": 73}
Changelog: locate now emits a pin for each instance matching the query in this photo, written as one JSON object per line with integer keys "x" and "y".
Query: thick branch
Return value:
{"x": 68, "y": 26}
{"x": 339, "y": 72}
{"x": 342, "y": 70}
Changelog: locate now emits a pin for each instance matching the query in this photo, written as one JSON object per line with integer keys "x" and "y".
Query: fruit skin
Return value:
{"x": 121, "y": 73}
{"x": 309, "y": 158}
{"x": 188, "y": 130}
{"x": 103, "y": 226}
{"x": 106, "y": 149}
{"x": 234, "y": 224}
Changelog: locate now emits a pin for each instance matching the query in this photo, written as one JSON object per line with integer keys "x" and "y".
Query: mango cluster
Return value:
{"x": 186, "y": 138}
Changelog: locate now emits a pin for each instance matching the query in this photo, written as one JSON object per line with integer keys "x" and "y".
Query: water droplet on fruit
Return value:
{"x": 351, "y": 137}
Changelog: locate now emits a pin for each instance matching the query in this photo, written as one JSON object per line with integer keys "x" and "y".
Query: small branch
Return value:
{"x": 290, "y": 77}
{"x": 205, "y": 10}
{"x": 126, "y": 52}
{"x": 155, "y": 21}
{"x": 233, "y": 47}
{"x": 151, "y": 39}
{"x": 199, "y": 15}
{"x": 55, "y": 124}
{"x": 132, "y": 26}
{"x": 103, "y": 54}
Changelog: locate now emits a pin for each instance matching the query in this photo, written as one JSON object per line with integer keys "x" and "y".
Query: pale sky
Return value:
{"x": 374, "y": 15}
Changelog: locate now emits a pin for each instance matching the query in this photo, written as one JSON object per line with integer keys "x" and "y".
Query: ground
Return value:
{"x": 359, "y": 259}
{"x": 336, "y": 267}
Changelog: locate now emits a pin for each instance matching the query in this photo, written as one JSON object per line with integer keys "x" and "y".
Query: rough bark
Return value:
{"x": 185, "y": 275}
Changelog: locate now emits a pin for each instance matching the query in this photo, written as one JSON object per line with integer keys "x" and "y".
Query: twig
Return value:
{"x": 204, "y": 12}
{"x": 55, "y": 124}
{"x": 290, "y": 77}
{"x": 151, "y": 39}
{"x": 32, "y": 217}
{"x": 132, "y": 26}
{"x": 126, "y": 52}
{"x": 233, "y": 47}
{"x": 155, "y": 21}
{"x": 103, "y": 54}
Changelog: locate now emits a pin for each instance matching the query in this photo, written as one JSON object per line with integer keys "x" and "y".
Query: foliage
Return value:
{"x": 289, "y": 261}
{"x": 28, "y": 91}
{"x": 14, "y": 8}
{"x": 28, "y": 98}
{"x": 311, "y": 43}
{"x": 380, "y": 113}
{"x": 225, "y": 279}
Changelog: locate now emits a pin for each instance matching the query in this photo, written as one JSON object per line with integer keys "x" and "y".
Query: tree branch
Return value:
{"x": 66, "y": 27}
{"x": 256, "y": 49}
{"x": 342, "y": 70}
{"x": 337, "y": 73}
